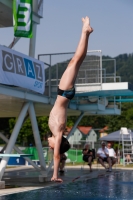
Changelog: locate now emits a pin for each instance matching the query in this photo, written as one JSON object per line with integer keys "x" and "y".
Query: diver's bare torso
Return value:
{"x": 57, "y": 117}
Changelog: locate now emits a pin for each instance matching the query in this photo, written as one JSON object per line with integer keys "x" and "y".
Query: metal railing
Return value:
{"x": 90, "y": 71}
{"x": 93, "y": 72}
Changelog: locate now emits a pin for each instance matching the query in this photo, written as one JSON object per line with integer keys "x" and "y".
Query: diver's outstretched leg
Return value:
{"x": 69, "y": 76}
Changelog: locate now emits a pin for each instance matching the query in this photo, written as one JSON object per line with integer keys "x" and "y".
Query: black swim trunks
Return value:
{"x": 69, "y": 94}
{"x": 86, "y": 157}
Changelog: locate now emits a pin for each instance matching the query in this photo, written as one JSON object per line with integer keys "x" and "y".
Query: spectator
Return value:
{"x": 103, "y": 156}
{"x": 128, "y": 158}
{"x": 88, "y": 155}
{"x": 62, "y": 163}
{"x": 112, "y": 153}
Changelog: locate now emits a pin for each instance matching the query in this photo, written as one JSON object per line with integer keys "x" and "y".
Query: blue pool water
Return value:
{"x": 113, "y": 187}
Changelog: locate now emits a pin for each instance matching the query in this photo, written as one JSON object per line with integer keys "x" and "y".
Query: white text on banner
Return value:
{"x": 20, "y": 70}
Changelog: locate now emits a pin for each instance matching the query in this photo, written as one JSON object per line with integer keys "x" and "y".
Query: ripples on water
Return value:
{"x": 112, "y": 187}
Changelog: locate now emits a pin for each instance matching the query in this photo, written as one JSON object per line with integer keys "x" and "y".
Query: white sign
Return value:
{"x": 20, "y": 70}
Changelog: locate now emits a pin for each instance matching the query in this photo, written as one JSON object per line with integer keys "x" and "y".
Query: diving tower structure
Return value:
{"x": 97, "y": 91}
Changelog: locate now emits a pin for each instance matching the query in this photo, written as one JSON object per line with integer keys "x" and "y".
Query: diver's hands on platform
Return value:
{"x": 57, "y": 180}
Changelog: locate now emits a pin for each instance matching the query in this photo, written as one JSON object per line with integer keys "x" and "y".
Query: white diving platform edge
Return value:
{"x": 15, "y": 155}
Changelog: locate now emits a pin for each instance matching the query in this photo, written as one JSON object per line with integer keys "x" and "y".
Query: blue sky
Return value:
{"x": 61, "y": 25}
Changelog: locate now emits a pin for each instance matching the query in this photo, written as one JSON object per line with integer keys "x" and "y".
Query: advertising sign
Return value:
{"x": 22, "y": 18}
{"x": 20, "y": 70}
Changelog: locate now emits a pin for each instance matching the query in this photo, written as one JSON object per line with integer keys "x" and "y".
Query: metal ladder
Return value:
{"x": 126, "y": 142}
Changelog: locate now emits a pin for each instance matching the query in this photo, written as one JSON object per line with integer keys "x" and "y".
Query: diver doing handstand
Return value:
{"x": 66, "y": 91}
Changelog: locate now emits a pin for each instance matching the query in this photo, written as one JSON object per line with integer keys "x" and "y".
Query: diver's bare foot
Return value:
{"x": 57, "y": 180}
{"x": 86, "y": 25}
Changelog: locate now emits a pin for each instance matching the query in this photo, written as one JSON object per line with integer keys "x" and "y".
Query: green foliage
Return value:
{"x": 43, "y": 125}
{"x": 124, "y": 66}
{"x": 4, "y": 124}
{"x": 25, "y": 136}
{"x": 117, "y": 146}
{"x": 71, "y": 120}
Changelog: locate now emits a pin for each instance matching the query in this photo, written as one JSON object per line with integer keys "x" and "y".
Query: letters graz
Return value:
{"x": 23, "y": 66}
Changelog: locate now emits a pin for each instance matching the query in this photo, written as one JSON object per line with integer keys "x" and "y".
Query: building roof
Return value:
{"x": 105, "y": 129}
{"x": 84, "y": 129}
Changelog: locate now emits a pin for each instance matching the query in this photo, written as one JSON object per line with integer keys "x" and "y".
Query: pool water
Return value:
{"x": 117, "y": 186}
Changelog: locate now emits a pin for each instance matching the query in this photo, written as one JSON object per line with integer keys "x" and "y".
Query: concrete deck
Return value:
{"x": 20, "y": 179}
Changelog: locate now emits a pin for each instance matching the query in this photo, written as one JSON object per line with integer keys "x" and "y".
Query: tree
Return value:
{"x": 25, "y": 136}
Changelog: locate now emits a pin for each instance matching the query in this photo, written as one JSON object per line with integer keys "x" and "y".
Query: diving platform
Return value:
{"x": 110, "y": 89}
{"x": 13, "y": 98}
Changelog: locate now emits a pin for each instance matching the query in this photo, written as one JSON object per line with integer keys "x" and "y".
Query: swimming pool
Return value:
{"x": 117, "y": 186}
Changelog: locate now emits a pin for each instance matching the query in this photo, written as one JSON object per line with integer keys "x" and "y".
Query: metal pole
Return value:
{"x": 33, "y": 41}
{"x": 123, "y": 149}
{"x": 50, "y": 166}
{"x": 39, "y": 5}
{"x": 15, "y": 40}
{"x": 114, "y": 70}
{"x": 20, "y": 152}
{"x": 37, "y": 136}
{"x": 75, "y": 125}
{"x": 101, "y": 68}
{"x": 13, "y": 138}
{"x": 50, "y": 77}
{"x": 57, "y": 74}
{"x": 35, "y": 6}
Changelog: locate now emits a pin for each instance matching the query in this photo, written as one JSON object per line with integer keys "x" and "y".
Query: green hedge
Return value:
{"x": 73, "y": 155}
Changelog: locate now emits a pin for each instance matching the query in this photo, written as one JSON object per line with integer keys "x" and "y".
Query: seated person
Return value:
{"x": 112, "y": 153}
{"x": 88, "y": 155}
{"x": 128, "y": 158}
{"x": 62, "y": 163}
{"x": 103, "y": 156}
